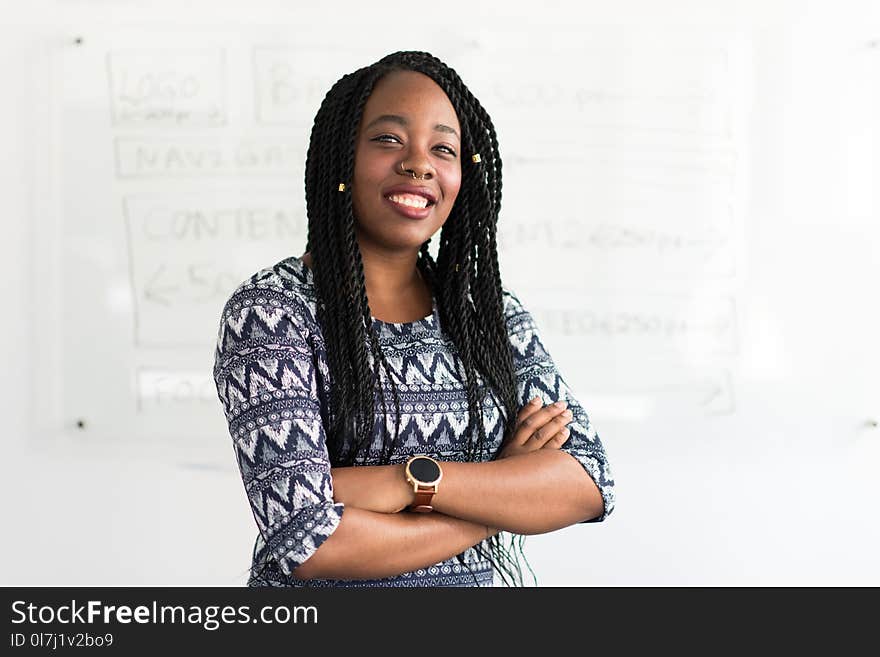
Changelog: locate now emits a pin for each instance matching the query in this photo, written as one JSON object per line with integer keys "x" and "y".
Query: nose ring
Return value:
{"x": 412, "y": 173}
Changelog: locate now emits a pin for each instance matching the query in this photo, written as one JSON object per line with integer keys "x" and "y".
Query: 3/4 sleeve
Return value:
{"x": 537, "y": 375}
{"x": 264, "y": 370}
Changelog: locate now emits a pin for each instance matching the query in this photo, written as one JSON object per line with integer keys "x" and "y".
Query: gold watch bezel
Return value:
{"x": 418, "y": 484}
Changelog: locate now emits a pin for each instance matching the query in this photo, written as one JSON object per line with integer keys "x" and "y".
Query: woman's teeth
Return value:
{"x": 412, "y": 200}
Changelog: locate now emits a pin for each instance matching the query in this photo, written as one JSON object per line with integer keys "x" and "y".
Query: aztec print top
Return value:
{"x": 274, "y": 383}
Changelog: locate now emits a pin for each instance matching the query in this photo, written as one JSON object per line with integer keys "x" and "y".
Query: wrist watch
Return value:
{"x": 423, "y": 473}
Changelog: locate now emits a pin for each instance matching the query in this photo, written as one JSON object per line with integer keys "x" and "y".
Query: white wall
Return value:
{"x": 776, "y": 488}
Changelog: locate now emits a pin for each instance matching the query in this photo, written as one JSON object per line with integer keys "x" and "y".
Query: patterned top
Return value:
{"x": 274, "y": 383}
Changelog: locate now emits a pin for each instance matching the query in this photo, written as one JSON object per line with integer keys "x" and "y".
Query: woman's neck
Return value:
{"x": 395, "y": 288}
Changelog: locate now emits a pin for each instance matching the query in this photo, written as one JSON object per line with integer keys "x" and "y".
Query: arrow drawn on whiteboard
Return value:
{"x": 153, "y": 292}
{"x": 715, "y": 391}
{"x": 711, "y": 394}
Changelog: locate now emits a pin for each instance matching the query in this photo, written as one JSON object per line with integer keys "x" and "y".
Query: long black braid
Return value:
{"x": 465, "y": 278}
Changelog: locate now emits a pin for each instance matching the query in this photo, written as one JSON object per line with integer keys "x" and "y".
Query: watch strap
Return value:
{"x": 422, "y": 503}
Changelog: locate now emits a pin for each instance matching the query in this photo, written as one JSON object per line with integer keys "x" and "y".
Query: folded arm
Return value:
{"x": 532, "y": 493}
{"x": 368, "y": 545}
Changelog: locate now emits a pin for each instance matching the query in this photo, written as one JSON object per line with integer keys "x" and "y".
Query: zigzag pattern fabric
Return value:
{"x": 274, "y": 383}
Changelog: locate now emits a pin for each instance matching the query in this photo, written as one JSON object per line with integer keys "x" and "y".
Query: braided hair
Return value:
{"x": 465, "y": 279}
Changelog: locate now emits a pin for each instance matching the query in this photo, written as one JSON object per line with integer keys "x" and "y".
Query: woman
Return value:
{"x": 379, "y": 400}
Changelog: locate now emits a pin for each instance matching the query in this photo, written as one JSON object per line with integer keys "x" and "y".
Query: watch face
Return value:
{"x": 424, "y": 470}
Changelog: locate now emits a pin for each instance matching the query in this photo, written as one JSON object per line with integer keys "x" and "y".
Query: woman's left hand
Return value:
{"x": 538, "y": 428}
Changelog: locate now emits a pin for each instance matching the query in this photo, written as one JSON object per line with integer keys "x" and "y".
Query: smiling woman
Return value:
{"x": 386, "y": 408}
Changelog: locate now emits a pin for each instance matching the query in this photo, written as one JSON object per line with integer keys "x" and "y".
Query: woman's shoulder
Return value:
{"x": 289, "y": 274}
{"x": 513, "y": 307}
{"x": 286, "y": 284}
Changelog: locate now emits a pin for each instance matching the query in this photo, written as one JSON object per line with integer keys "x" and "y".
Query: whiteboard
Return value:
{"x": 183, "y": 161}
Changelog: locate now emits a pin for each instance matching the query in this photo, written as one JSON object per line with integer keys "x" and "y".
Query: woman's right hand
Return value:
{"x": 538, "y": 428}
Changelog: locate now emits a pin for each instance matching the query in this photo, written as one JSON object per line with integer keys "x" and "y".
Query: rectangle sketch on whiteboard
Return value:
{"x": 621, "y": 243}
{"x": 289, "y": 87}
{"x": 189, "y": 252}
{"x": 162, "y": 388}
{"x": 638, "y": 396}
{"x": 634, "y": 86}
{"x": 167, "y": 88}
{"x": 634, "y": 327}
{"x": 169, "y": 157}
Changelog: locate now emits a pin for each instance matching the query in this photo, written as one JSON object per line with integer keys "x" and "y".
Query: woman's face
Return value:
{"x": 408, "y": 121}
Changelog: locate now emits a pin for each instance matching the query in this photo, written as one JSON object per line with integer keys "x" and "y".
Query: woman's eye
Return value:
{"x": 392, "y": 139}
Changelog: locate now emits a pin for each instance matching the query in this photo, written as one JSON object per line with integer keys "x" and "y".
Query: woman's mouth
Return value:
{"x": 410, "y": 200}
{"x": 412, "y": 206}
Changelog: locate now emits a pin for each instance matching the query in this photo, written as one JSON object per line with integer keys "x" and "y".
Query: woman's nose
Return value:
{"x": 417, "y": 169}
{"x": 417, "y": 164}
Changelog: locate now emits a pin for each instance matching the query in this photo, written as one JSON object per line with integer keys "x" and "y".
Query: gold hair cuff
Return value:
{"x": 341, "y": 187}
{"x": 475, "y": 157}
